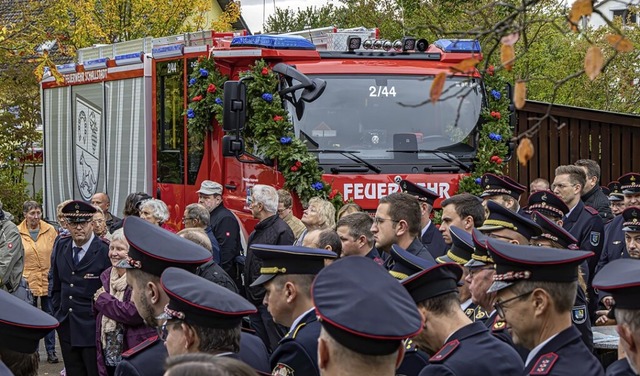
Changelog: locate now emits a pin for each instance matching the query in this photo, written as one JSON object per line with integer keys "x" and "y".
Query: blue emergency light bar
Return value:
{"x": 174, "y": 50}
{"x": 126, "y": 59}
{"x": 99, "y": 63}
{"x": 458, "y": 45}
{"x": 287, "y": 42}
{"x": 66, "y": 68}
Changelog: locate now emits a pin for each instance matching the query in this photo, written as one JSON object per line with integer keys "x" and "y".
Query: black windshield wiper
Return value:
{"x": 351, "y": 155}
{"x": 445, "y": 156}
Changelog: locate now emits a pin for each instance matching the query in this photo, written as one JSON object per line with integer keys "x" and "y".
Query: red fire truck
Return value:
{"x": 117, "y": 125}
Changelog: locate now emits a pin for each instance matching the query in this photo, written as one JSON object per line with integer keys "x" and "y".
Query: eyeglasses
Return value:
{"x": 163, "y": 330}
{"x": 499, "y": 306}
{"x": 378, "y": 221}
{"x": 187, "y": 219}
{"x": 562, "y": 186}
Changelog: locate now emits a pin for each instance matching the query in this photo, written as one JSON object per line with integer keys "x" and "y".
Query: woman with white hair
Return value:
{"x": 156, "y": 212}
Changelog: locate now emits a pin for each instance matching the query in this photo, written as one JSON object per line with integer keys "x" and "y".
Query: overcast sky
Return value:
{"x": 253, "y": 10}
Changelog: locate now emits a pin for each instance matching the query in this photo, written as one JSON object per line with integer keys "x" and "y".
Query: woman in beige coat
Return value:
{"x": 37, "y": 239}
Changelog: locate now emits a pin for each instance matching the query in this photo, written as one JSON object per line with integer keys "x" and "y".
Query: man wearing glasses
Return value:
{"x": 197, "y": 216}
{"x": 78, "y": 261}
{"x": 397, "y": 221}
{"x": 536, "y": 288}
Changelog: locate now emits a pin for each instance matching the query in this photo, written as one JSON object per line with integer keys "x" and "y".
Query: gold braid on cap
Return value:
{"x": 510, "y": 276}
{"x": 397, "y": 275}
{"x": 482, "y": 258}
{"x": 455, "y": 258}
{"x": 505, "y": 224}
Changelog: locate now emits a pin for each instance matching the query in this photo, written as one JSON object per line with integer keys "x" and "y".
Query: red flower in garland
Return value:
{"x": 298, "y": 164}
{"x": 265, "y": 71}
{"x": 211, "y": 88}
{"x": 491, "y": 70}
{"x": 277, "y": 118}
{"x": 495, "y": 159}
{"x": 496, "y": 115}
{"x": 294, "y": 168}
{"x": 196, "y": 98}
{"x": 333, "y": 194}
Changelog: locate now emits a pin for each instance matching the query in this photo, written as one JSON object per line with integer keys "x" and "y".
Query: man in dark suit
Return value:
{"x": 429, "y": 235}
{"x": 76, "y": 267}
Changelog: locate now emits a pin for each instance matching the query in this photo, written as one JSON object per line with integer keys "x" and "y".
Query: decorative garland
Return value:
{"x": 268, "y": 130}
{"x": 494, "y": 134}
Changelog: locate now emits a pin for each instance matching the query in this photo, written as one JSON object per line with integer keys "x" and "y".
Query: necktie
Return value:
{"x": 76, "y": 255}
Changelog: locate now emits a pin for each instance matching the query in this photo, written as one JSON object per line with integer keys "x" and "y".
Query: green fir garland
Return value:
{"x": 268, "y": 131}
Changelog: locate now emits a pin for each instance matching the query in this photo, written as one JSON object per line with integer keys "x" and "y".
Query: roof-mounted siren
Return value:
{"x": 276, "y": 42}
{"x": 66, "y": 68}
{"x": 128, "y": 59}
{"x": 99, "y": 63}
{"x": 458, "y": 45}
{"x": 422, "y": 45}
{"x": 163, "y": 52}
{"x": 353, "y": 42}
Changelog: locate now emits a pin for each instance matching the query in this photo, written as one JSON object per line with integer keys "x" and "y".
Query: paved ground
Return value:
{"x": 46, "y": 368}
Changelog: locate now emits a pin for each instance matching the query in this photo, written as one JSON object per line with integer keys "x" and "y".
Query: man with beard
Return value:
{"x": 152, "y": 250}
{"x": 536, "y": 290}
{"x": 397, "y": 221}
{"x": 457, "y": 345}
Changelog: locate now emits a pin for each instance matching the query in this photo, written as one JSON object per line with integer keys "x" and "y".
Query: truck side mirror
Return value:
{"x": 234, "y": 106}
{"x": 232, "y": 146}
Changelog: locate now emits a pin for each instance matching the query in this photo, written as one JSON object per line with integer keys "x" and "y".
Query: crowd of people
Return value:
{"x": 495, "y": 288}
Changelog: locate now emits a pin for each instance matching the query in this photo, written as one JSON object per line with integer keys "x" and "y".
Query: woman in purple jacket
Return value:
{"x": 119, "y": 327}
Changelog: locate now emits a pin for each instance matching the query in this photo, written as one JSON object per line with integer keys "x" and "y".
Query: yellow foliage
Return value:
{"x": 230, "y": 15}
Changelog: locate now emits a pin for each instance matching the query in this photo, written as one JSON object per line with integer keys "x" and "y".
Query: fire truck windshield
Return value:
{"x": 377, "y": 115}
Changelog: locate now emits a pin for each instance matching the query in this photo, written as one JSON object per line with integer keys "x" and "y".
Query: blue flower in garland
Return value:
{"x": 191, "y": 113}
{"x": 204, "y": 72}
{"x": 496, "y": 94}
{"x": 478, "y": 181}
{"x": 267, "y": 97}
{"x": 218, "y": 101}
{"x": 192, "y": 82}
{"x": 285, "y": 140}
{"x": 317, "y": 186}
{"x": 495, "y": 137}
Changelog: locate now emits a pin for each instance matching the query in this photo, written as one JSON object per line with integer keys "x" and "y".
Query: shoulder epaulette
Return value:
{"x": 591, "y": 210}
{"x": 134, "y": 350}
{"x": 544, "y": 364}
{"x": 445, "y": 351}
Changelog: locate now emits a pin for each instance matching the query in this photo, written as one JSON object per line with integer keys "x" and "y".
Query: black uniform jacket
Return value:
{"x": 73, "y": 288}
{"x": 415, "y": 248}
{"x": 471, "y": 351}
{"x": 297, "y": 352}
{"x": 433, "y": 240}
{"x": 565, "y": 354}
{"x": 146, "y": 359}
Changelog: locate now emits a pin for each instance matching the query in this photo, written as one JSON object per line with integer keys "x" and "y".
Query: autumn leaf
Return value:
{"x": 593, "y": 62}
{"x": 465, "y": 65}
{"x": 520, "y": 94}
{"x": 579, "y": 9}
{"x": 437, "y": 86}
{"x": 620, "y": 43}
{"x": 507, "y": 56}
{"x": 510, "y": 39}
{"x": 525, "y": 151}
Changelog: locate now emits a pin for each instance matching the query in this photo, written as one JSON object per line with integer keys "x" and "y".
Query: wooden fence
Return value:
{"x": 612, "y": 139}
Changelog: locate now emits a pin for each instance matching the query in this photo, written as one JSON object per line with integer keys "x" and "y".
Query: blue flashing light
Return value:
{"x": 99, "y": 63}
{"x": 286, "y": 42}
{"x": 132, "y": 58}
{"x": 458, "y": 45}
{"x": 173, "y": 50}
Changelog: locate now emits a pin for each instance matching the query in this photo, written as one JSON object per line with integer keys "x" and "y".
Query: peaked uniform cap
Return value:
{"x": 22, "y": 325}
{"x": 502, "y": 218}
{"x": 437, "y": 280}
{"x": 547, "y": 202}
{"x": 631, "y": 220}
{"x": 421, "y": 193}
{"x": 380, "y": 323}
{"x": 516, "y": 263}
{"x": 201, "y": 302}
{"x": 406, "y": 263}
{"x": 480, "y": 256}
{"x": 78, "y": 211}
{"x": 461, "y": 249}
{"x": 615, "y": 191}
{"x": 494, "y": 185}
{"x": 553, "y": 232}
{"x": 153, "y": 249}
{"x": 630, "y": 183}
{"x": 621, "y": 278}
{"x": 288, "y": 259}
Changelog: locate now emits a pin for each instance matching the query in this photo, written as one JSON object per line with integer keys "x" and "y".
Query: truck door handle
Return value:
{"x": 231, "y": 187}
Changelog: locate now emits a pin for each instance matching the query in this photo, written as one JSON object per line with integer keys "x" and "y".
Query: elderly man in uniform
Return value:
{"x": 397, "y": 221}
{"x": 225, "y": 227}
{"x": 536, "y": 289}
{"x": 502, "y": 190}
{"x": 77, "y": 262}
{"x": 368, "y": 340}
{"x": 202, "y": 316}
{"x": 620, "y": 278}
{"x": 429, "y": 235}
{"x": 458, "y": 346}
{"x": 461, "y": 252}
{"x": 21, "y": 328}
{"x": 355, "y": 234}
{"x": 287, "y": 274}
